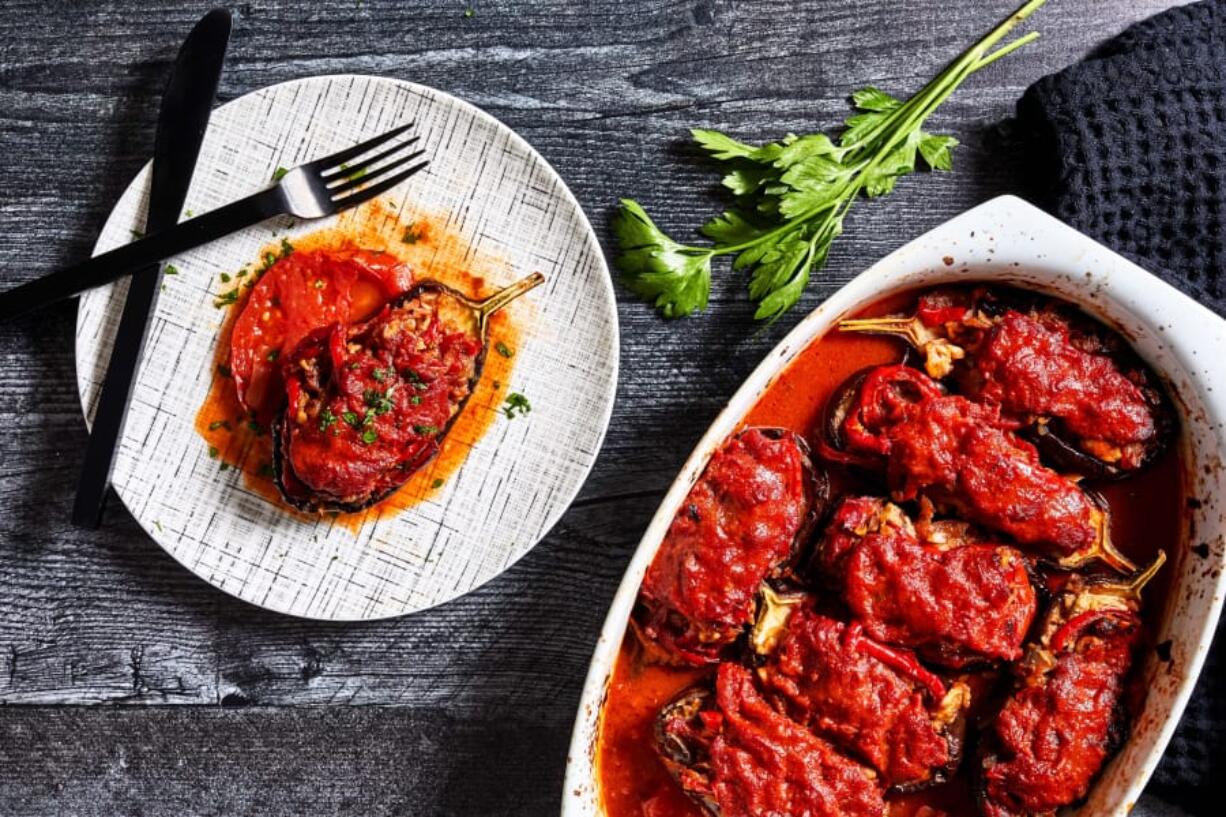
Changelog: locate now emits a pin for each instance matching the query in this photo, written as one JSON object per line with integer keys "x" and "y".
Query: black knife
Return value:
{"x": 180, "y": 130}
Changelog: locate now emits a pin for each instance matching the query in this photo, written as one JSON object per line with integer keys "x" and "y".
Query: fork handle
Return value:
{"x": 110, "y": 266}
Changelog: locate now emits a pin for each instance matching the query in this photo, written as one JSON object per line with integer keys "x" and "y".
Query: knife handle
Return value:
{"x": 110, "y": 266}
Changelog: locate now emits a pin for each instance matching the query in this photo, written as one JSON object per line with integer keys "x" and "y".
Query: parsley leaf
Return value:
{"x": 676, "y": 278}
{"x": 791, "y": 196}
{"x": 516, "y": 405}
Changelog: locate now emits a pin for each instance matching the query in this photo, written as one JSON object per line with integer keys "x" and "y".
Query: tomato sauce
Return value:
{"x": 380, "y": 254}
{"x": 1147, "y": 514}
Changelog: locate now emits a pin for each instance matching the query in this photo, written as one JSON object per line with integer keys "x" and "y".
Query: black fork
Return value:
{"x": 316, "y": 189}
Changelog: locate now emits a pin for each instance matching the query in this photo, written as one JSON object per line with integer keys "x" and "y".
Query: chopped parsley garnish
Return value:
{"x": 414, "y": 378}
{"x": 351, "y": 419}
{"x": 287, "y": 249}
{"x": 516, "y": 404}
{"x": 438, "y": 483}
{"x": 225, "y": 466}
{"x": 226, "y": 298}
{"x": 241, "y": 273}
{"x": 279, "y": 174}
{"x": 171, "y": 269}
{"x": 379, "y": 374}
{"x": 369, "y": 436}
{"x": 503, "y": 349}
{"x": 470, "y": 12}
{"x": 213, "y": 451}
{"x": 224, "y": 370}
{"x": 326, "y": 419}
{"x": 273, "y": 354}
{"x": 266, "y": 470}
{"x": 255, "y": 428}
{"x": 411, "y": 234}
{"x": 225, "y": 277}
{"x": 377, "y": 401}
{"x": 137, "y": 233}
{"x": 415, "y": 400}
{"x": 319, "y": 283}
{"x": 216, "y": 424}
{"x": 425, "y": 430}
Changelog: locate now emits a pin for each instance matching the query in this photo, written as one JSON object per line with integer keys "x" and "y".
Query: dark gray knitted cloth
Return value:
{"x": 1130, "y": 145}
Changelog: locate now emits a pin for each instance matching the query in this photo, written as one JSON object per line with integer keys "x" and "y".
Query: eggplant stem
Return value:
{"x": 910, "y": 329}
{"x": 502, "y": 297}
{"x": 1108, "y": 553}
{"x": 1135, "y": 585}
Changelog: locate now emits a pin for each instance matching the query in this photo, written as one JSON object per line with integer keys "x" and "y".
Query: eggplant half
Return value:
{"x": 1075, "y": 387}
{"x": 753, "y": 507}
{"x": 368, "y": 404}
{"x": 736, "y": 756}
{"x": 1066, "y": 713}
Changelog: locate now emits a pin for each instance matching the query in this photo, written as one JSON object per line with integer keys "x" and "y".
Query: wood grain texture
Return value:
{"x": 481, "y": 690}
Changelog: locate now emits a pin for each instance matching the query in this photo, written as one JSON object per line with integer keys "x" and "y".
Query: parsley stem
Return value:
{"x": 1006, "y": 50}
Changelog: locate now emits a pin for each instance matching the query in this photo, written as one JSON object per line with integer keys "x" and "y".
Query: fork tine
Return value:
{"x": 357, "y": 150}
{"x": 333, "y": 175}
{"x": 374, "y": 174}
{"x": 354, "y": 199}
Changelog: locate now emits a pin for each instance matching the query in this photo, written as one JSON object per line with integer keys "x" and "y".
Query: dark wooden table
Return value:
{"x": 131, "y": 686}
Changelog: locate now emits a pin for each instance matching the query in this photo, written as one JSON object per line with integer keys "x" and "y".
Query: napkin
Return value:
{"x": 1129, "y": 147}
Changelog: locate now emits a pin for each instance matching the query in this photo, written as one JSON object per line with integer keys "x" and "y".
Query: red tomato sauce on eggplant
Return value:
{"x": 740, "y": 522}
{"x": 1147, "y": 514}
{"x": 363, "y": 260}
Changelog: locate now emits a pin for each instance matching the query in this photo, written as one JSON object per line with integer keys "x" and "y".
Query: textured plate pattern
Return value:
{"x": 514, "y": 212}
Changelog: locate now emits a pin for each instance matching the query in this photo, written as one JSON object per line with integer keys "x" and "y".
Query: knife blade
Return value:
{"x": 182, "y": 121}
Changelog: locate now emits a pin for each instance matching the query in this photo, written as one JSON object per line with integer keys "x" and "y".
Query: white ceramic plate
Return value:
{"x": 1008, "y": 240}
{"x": 515, "y": 214}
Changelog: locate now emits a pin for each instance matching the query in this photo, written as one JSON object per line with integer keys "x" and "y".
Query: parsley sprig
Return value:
{"x": 792, "y": 195}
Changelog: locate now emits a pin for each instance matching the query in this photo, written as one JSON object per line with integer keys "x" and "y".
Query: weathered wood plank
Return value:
{"x": 605, "y": 90}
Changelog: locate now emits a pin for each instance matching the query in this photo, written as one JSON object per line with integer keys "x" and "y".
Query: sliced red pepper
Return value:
{"x": 905, "y": 663}
{"x": 711, "y": 720}
{"x": 1072, "y": 629}
{"x": 888, "y": 396}
{"x": 939, "y": 308}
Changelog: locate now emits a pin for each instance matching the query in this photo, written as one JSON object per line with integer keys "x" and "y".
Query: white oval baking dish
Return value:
{"x": 1009, "y": 240}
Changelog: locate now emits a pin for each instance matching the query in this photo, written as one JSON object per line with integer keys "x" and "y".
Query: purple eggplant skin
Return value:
{"x": 683, "y": 757}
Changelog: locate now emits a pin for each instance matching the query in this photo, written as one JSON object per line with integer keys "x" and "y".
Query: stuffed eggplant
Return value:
{"x": 1086, "y": 399}
{"x": 1066, "y": 714}
{"x": 876, "y": 702}
{"x": 939, "y": 588}
{"x": 968, "y": 457}
{"x": 734, "y": 755}
{"x": 368, "y": 404}
{"x": 741, "y": 524}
